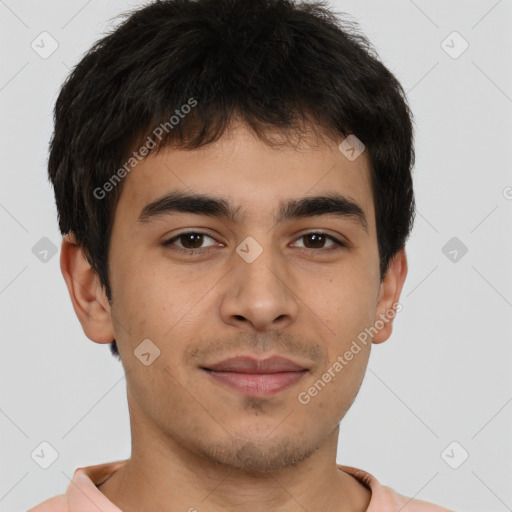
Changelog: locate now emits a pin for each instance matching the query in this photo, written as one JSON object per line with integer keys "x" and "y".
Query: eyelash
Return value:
{"x": 338, "y": 243}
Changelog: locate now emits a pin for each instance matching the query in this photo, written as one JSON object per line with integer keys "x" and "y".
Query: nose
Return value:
{"x": 259, "y": 295}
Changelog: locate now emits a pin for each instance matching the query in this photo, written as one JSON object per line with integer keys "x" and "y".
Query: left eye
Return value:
{"x": 193, "y": 241}
{"x": 319, "y": 239}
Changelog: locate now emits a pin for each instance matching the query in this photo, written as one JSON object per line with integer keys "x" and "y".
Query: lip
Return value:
{"x": 257, "y": 377}
{"x": 247, "y": 364}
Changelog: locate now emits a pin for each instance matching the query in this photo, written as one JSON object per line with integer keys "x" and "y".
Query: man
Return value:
{"x": 233, "y": 183}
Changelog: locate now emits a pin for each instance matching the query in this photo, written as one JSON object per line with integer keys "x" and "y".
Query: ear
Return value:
{"x": 87, "y": 295}
{"x": 389, "y": 295}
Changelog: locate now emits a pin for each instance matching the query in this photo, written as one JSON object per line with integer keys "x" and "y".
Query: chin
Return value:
{"x": 257, "y": 455}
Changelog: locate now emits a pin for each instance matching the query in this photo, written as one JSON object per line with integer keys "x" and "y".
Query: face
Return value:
{"x": 218, "y": 286}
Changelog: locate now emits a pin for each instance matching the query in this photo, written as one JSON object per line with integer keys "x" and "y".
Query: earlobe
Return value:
{"x": 389, "y": 296}
{"x": 87, "y": 296}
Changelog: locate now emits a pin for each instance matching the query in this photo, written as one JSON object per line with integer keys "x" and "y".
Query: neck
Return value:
{"x": 164, "y": 475}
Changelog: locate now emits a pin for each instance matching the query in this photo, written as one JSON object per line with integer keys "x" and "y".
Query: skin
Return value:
{"x": 195, "y": 442}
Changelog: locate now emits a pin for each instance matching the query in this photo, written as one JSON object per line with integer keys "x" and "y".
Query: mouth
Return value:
{"x": 257, "y": 377}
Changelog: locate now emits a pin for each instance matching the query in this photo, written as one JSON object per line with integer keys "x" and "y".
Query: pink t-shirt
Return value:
{"x": 82, "y": 495}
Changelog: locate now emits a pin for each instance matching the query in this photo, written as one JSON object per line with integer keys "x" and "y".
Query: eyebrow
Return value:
{"x": 201, "y": 204}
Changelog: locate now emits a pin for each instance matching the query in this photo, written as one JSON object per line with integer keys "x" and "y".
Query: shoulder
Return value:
{"x": 385, "y": 499}
{"x": 55, "y": 504}
{"x": 412, "y": 505}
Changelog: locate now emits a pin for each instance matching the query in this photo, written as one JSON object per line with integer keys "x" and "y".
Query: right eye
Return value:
{"x": 189, "y": 241}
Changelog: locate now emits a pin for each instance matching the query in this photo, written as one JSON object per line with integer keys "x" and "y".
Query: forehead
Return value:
{"x": 254, "y": 177}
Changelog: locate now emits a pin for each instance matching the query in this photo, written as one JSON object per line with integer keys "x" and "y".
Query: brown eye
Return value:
{"x": 317, "y": 241}
{"x": 191, "y": 241}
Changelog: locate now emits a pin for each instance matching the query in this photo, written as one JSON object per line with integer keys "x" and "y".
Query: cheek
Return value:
{"x": 149, "y": 298}
{"x": 158, "y": 393}
{"x": 345, "y": 301}
{"x": 332, "y": 391}
{"x": 346, "y": 304}
{"x": 170, "y": 311}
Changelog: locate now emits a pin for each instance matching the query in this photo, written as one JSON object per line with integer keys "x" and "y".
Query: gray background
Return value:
{"x": 443, "y": 376}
